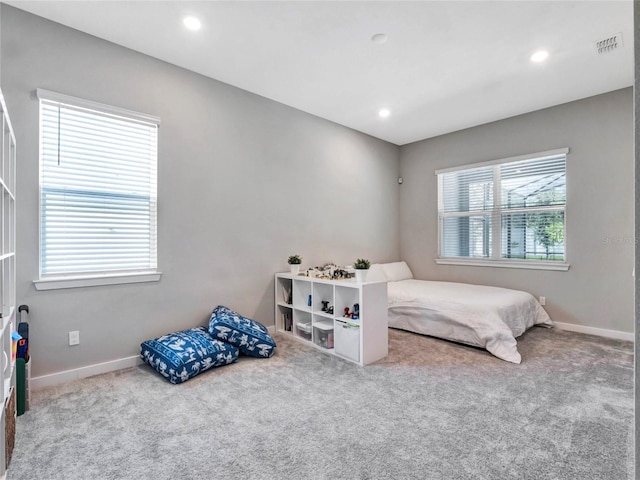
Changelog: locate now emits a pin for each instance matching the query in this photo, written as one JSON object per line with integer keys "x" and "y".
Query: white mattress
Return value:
{"x": 487, "y": 317}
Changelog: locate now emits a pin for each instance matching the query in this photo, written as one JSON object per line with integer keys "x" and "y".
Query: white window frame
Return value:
{"x": 58, "y": 281}
{"x": 496, "y": 220}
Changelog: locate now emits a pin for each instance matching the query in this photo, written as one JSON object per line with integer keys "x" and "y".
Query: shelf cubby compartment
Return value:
{"x": 347, "y": 340}
{"x": 302, "y": 294}
{"x": 323, "y": 332}
{"x": 302, "y": 325}
{"x": 322, "y": 292}
{"x": 346, "y": 297}
{"x": 7, "y": 360}
{"x": 284, "y": 291}
{"x": 8, "y": 155}
{"x": 284, "y": 320}
{"x": 5, "y": 222}
{"x": 4, "y": 290}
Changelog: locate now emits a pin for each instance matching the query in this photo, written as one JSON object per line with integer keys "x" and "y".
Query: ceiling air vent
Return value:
{"x": 609, "y": 44}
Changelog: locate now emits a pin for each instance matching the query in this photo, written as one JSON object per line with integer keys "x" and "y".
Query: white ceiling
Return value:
{"x": 446, "y": 65}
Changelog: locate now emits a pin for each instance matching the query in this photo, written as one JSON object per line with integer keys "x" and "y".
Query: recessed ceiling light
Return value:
{"x": 192, "y": 23}
{"x": 384, "y": 113}
{"x": 379, "y": 38}
{"x": 539, "y": 56}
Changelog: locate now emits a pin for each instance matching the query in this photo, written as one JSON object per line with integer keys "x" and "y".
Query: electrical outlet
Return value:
{"x": 74, "y": 338}
{"x": 543, "y": 301}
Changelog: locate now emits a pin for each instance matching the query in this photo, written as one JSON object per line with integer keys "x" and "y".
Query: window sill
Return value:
{"x": 97, "y": 280}
{"x": 532, "y": 265}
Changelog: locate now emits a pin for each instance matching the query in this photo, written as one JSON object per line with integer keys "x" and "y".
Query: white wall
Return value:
{"x": 243, "y": 183}
{"x": 597, "y": 291}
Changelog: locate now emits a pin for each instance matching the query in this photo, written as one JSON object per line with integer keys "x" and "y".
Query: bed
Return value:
{"x": 478, "y": 315}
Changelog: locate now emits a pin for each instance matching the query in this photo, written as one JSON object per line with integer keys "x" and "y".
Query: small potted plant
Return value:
{"x": 295, "y": 261}
{"x": 361, "y": 265}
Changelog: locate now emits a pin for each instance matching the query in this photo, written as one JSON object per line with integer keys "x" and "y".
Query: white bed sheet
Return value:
{"x": 478, "y": 315}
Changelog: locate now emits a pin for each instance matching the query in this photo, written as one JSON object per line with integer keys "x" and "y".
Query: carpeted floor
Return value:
{"x": 431, "y": 410}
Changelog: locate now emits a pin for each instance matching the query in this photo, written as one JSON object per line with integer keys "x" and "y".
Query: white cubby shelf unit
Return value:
{"x": 7, "y": 270}
{"x": 301, "y": 305}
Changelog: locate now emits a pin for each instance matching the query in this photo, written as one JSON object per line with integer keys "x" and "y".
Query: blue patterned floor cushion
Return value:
{"x": 251, "y": 337}
{"x": 182, "y": 355}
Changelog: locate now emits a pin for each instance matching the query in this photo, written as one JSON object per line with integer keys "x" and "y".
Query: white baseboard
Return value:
{"x": 91, "y": 370}
{"x": 84, "y": 372}
{"x": 105, "y": 367}
{"x": 601, "y": 332}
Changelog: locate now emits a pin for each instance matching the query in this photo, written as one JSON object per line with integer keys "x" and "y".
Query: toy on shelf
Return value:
{"x": 340, "y": 274}
{"x": 355, "y": 314}
{"x": 328, "y": 271}
{"x": 327, "y": 308}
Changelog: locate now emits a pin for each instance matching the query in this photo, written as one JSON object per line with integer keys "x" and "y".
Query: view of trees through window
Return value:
{"x": 514, "y": 210}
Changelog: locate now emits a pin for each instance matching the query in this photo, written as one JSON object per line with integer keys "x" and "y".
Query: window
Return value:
{"x": 97, "y": 190}
{"x": 508, "y": 212}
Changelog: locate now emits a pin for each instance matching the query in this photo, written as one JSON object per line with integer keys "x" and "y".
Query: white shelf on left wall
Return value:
{"x": 7, "y": 272}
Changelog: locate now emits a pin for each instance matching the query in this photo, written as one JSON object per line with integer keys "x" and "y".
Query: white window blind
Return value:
{"x": 98, "y": 181}
{"x": 511, "y": 210}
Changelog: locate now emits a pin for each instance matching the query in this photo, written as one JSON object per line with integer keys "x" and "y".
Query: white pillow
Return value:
{"x": 376, "y": 273}
{"x": 397, "y": 271}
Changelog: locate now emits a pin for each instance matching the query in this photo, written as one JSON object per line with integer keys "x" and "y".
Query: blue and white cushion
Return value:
{"x": 251, "y": 337}
{"x": 182, "y": 355}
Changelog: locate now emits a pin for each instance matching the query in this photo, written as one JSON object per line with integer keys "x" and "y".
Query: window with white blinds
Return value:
{"x": 510, "y": 211}
{"x": 98, "y": 201}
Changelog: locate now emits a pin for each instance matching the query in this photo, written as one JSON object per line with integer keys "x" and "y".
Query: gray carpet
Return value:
{"x": 431, "y": 410}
